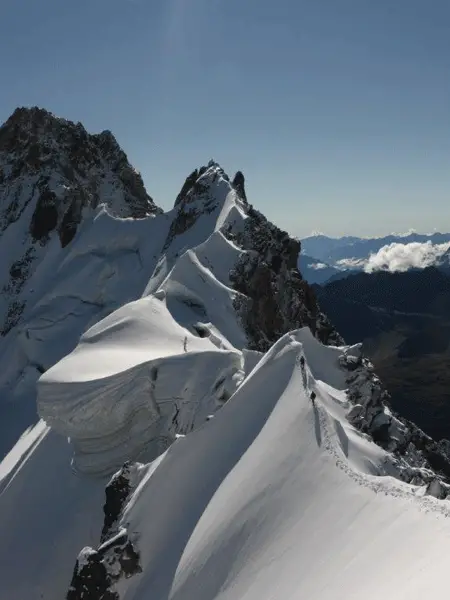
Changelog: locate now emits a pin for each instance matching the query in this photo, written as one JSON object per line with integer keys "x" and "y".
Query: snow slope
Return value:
{"x": 69, "y": 291}
{"x": 47, "y": 514}
{"x": 244, "y": 487}
{"x": 161, "y": 365}
{"x": 149, "y": 372}
{"x": 279, "y": 498}
{"x": 136, "y": 379}
{"x": 75, "y": 221}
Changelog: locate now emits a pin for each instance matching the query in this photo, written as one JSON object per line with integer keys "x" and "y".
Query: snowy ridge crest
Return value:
{"x": 273, "y": 448}
{"x": 113, "y": 413}
{"x": 250, "y": 445}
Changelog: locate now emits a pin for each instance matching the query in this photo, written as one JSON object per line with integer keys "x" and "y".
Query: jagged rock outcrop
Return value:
{"x": 199, "y": 196}
{"x": 117, "y": 493}
{"x": 97, "y": 571}
{"x": 275, "y": 299}
{"x": 419, "y": 457}
{"x": 56, "y": 165}
{"x": 51, "y": 170}
{"x": 191, "y": 185}
{"x": 272, "y": 296}
{"x": 239, "y": 185}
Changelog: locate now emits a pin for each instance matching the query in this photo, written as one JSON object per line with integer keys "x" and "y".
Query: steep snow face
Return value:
{"x": 216, "y": 237}
{"x": 135, "y": 381}
{"x": 277, "y": 496}
{"x": 105, "y": 266}
{"x": 182, "y": 314}
{"x": 207, "y": 202}
{"x": 75, "y": 222}
{"x": 133, "y": 395}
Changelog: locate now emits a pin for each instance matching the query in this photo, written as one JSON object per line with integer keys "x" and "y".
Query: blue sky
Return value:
{"x": 337, "y": 111}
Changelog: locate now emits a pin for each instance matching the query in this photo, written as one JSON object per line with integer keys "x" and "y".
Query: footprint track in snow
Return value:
{"x": 382, "y": 484}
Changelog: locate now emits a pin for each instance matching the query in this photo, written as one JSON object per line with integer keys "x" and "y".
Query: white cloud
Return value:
{"x": 351, "y": 263}
{"x": 401, "y": 257}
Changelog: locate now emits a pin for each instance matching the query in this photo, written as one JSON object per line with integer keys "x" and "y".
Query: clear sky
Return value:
{"x": 337, "y": 111}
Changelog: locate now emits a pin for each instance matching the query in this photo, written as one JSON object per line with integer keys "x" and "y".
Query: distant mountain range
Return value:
{"x": 331, "y": 250}
{"x": 326, "y": 259}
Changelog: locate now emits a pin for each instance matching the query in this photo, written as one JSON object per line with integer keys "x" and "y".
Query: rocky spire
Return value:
{"x": 239, "y": 185}
{"x": 273, "y": 298}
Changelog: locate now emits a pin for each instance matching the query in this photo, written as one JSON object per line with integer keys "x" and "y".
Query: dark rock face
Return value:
{"x": 18, "y": 272}
{"x": 117, "y": 493}
{"x": 97, "y": 571}
{"x": 191, "y": 186}
{"x": 45, "y": 216}
{"x": 239, "y": 185}
{"x": 274, "y": 298}
{"x": 194, "y": 199}
{"x": 51, "y": 170}
{"x": 90, "y": 580}
{"x": 421, "y": 459}
{"x": 63, "y": 163}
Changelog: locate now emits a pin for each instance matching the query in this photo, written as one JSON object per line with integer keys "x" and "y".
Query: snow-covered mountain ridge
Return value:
{"x": 74, "y": 220}
{"x": 50, "y": 171}
{"x": 255, "y": 454}
{"x": 228, "y": 278}
{"x": 273, "y": 496}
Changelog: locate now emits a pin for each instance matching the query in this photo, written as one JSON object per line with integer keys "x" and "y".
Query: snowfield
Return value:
{"x": 70, "y": 290}
{"x": 279, "y": 498}
{"x": 135, "y": 380}
{"x": 251, "y": 482}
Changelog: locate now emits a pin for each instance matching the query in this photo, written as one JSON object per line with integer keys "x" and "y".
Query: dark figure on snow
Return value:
{"x": 313, "y": 397}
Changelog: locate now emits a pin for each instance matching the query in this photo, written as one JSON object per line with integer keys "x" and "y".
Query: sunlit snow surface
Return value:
{"x": 277, "y": 498}
{"x": 135, "y": 380}
{"x": 273, "y": 498}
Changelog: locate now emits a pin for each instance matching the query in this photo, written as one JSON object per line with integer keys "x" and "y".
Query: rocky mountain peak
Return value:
{"x": 27, "y": 127}
{"x": 51, "y": 171}
{"x": 59, "y": 158}
{"x": 272, "y": 297}
{"x": 199, "y": 181}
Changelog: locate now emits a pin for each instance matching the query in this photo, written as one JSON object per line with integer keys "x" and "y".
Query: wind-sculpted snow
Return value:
{"x": 107, "y": 265}
{"x": 282, "y": 493}
{"x": 75, "y": 223}
{"x": 135, "y": 380}
{"x": 280, "y": 497}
